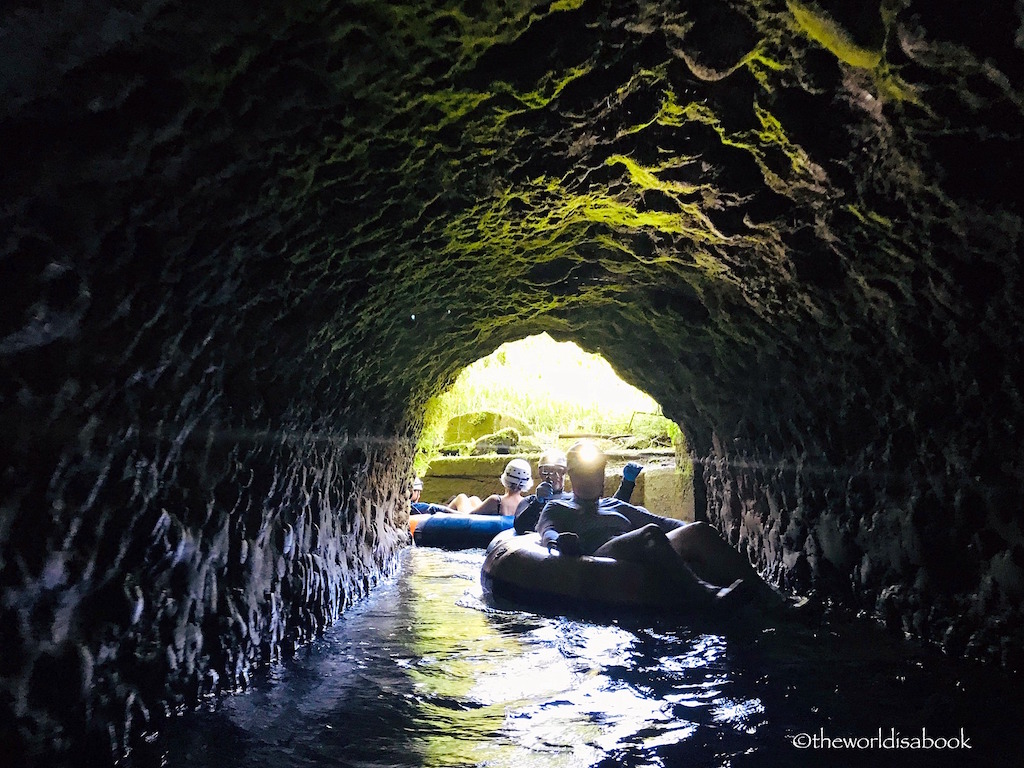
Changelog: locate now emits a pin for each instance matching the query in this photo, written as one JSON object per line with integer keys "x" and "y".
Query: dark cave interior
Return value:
{"x": 247, "y": 242}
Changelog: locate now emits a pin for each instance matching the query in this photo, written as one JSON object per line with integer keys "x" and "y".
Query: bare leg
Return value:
{"x": 464, "y": 503}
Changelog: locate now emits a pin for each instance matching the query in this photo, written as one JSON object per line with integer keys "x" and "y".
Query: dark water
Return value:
{"x": 424, "y": 673}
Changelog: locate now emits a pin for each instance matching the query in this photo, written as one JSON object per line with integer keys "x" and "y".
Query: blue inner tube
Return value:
{"x": 519, "y": 570}
{"x": 448, "y": 531}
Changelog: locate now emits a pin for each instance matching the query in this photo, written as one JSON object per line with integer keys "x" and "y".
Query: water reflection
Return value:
{"x": 423, "y": 673}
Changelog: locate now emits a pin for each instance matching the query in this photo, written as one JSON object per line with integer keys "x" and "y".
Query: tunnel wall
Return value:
{"x": 150, "y": 565}
{"x": 879, "y": 543}
{"x": 195, "y": 478}
{"x": 244, "y": 246}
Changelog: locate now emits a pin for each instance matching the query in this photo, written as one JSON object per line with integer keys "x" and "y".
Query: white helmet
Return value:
{"x": 417, "y": 484}
{"x": 517, "y": 475}
{"x": 553, "y": 457}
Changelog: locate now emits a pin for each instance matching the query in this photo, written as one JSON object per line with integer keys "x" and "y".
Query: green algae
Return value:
{"x": 565, "y": 5}
{"x": 892, "y": 87}
{"x": 676, "y": 115}
{"x": 600, "y": 208}
{"x": 823, "y": 30}
{"x": 454, "y": 105}
{"x": 832, "y": 37}
{"x": 763, "y": 67}
{"x": 647, "y": 177}
{"x": 771, "y": 136}
{"x": 561, "y": 223}
{"x": 870, "y": 218}
{"x": 549, "y": 88}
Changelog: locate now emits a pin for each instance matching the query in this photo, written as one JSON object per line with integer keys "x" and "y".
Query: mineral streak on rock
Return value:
{"x": 244, "y": 245}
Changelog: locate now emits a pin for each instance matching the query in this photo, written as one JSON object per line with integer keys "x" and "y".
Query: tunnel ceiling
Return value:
{"x": 743, "y": 205}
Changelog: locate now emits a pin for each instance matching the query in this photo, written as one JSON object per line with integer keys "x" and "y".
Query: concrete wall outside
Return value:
{"x": 665, "y": 491}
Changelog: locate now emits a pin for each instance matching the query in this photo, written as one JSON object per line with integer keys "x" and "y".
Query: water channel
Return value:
{"x": 424, "y": 673}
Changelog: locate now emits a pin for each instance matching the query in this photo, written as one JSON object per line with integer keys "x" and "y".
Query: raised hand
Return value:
{"x": 545, "y": 491}
{"x": 631, "y": 471}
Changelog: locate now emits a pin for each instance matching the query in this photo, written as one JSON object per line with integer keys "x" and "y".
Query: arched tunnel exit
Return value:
{"x": 535, "y": 395}
{"x": 243, "y": 250}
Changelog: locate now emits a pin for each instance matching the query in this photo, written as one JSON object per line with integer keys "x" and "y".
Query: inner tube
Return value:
{"x": 518, "y": 569}
{"x": 448, "y": 531}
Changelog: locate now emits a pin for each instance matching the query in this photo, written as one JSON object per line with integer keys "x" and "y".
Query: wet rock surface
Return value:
{"x": 244, "y": 245}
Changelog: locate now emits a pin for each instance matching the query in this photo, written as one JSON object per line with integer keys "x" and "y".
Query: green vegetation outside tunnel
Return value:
{"x": 549, "y": 393}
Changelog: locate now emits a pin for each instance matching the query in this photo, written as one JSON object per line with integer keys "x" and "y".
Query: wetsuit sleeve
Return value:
{"x": 625, "y": 492}
{"x": 554, "y": 519}
{"x": 528, "y": 515}
{"x": 639, "y": 517}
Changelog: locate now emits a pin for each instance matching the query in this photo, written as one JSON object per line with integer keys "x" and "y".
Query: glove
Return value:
{"x": 545, "y": 491}
{"x": 569, "y": 544}
{"x": 631, "y": 471}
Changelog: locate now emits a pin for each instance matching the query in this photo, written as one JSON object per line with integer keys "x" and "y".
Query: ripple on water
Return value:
{"x": 425, "y": 673}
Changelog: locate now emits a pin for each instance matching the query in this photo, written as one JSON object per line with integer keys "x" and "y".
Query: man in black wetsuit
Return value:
{"x": 693, "y": 556}
{"x": 552, "y": 468}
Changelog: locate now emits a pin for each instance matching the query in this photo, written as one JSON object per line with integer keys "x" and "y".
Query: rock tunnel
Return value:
{"x": 243, "y": 244}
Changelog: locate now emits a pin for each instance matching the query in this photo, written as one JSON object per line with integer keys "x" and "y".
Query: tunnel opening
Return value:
{"x": 537, "y": 393}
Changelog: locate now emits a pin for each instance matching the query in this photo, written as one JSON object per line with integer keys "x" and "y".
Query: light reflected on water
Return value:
{"x": 512, "y": 688}
{"x": 424, "y": 673}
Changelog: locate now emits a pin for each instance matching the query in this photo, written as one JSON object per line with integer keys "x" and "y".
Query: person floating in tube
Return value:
{"x": 516, "y": 479}
{"x": 552, "y": 468}
{"x": 693, "y": 556}
{"x": 422, "y": 507}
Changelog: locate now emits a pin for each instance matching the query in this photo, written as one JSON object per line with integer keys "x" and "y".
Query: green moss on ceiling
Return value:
{"x": 510, "y": 181}
{"x": 827, "y": 33}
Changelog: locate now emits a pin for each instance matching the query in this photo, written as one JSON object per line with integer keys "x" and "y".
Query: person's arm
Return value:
{"x": 547, "y": 525}
{"x": 555, "y": 531}
{"x": 640, "y": 516}
{"x": 630, "y": 472}
{"x": 528, "y": 514}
